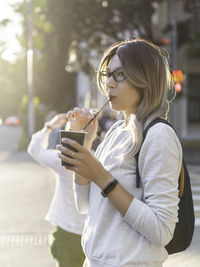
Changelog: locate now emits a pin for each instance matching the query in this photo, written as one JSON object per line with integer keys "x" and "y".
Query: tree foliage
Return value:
{"x": 12, "y": 86}
{"x": 83, "y": 26}
{"x": 69, "y": 33}
{"x": 97, "y": 23}
{"x": 12, "y": 80}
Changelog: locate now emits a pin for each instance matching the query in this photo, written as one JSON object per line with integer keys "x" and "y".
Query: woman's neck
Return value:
{"x": 127, "y": 118}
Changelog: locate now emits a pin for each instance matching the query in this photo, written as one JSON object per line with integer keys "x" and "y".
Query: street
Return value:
{"x": 9, "y": 138}
{"x": 26, "y": 189}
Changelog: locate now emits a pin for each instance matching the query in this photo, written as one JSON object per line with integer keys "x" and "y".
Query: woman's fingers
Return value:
{"x": 72, "y": 161}
{"x": 78, "y": 118}
{"x": 87, "y": 113}
{"x": 74, "y": 144}
{"x": 66, "y": 151}
{"x": 85, "y": 110}
{"x": 70, "y": 115}
{"x": 77, "y": 113}
{"x": 73, "y": 158}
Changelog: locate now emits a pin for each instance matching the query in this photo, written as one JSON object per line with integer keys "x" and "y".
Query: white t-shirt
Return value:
{"x": 62, "y": 211}
{"x": 138, "y": 238}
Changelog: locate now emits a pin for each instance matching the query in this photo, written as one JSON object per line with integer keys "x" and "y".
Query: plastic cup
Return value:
{"x": 78, "y": 136}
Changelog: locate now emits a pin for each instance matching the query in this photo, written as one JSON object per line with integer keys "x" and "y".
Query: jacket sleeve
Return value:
{"x": 81, "y": 195}
{"x": 38, "y": 150}
{"x": 160, "y": 162}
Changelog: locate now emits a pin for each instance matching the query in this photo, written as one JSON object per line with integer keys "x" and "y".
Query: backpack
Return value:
{"x": 185, "y": 226}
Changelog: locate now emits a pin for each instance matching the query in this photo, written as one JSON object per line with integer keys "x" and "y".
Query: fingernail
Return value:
{"x": 65, "y": 140}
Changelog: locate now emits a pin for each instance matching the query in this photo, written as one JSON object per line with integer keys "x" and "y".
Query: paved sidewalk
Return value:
{"x": 188, "y": 258}
{"x": 26, "y": 189}
{"x": 30, "y": 193}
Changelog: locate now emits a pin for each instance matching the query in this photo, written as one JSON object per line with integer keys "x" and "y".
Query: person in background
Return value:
{"x": 54, "y": 134}
{"x": 128, "y": 225}
{"x": 66, "y": 239}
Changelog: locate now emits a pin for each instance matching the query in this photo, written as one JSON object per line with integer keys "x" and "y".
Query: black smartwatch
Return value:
{"x": 109, "y": 187}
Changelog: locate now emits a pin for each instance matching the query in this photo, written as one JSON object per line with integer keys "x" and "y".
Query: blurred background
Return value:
{"x": 50, "y": 50}
{"x": 49, "y": 54}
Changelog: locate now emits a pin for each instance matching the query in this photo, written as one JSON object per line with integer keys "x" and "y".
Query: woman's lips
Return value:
{"x": 112, "y": 97}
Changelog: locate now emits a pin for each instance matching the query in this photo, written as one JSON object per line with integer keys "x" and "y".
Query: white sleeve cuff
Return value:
{"x": 134, "y": 212}
{"x": 81, "y": 195}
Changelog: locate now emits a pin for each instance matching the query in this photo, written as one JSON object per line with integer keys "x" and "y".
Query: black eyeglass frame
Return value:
{"x": 108, "y": 74}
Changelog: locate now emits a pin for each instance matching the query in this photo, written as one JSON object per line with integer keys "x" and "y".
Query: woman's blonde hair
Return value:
{"x": 146, "y": 67}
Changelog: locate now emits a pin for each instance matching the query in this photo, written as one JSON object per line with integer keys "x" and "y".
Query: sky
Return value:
{"x": 8, "y": 34}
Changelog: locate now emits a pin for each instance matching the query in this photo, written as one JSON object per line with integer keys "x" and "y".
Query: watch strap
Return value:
{"x": 109, "y": 187}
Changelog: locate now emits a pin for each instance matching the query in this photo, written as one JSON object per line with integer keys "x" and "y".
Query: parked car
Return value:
{"x": 12, "y": 120}
{"x": 1, "y": 121}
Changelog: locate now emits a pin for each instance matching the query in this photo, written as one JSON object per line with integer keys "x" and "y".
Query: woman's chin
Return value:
{"x": 114, "y": 107}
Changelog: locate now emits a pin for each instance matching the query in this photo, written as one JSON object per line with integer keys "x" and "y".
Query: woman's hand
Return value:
{"x": 78, "y": 118}
{"x": 84, "y": 163}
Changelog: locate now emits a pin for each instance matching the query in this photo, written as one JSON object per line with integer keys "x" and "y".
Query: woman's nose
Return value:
{"x": 110, "y": 83}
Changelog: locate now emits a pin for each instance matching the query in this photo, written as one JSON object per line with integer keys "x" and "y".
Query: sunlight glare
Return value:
{"x": 9, "y": 32}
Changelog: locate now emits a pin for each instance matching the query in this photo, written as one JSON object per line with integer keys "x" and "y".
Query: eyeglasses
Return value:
{"x": 117, "y": 75}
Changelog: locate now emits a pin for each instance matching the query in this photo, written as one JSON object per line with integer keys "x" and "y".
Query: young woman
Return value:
{"x": 126, "y": 225}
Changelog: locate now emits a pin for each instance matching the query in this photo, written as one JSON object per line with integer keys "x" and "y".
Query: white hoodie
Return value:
{"x": 62, "y": 211}
{"x": 138, "y": 238}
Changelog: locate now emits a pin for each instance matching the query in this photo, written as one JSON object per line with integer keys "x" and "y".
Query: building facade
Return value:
{"x": 177, "y": 21}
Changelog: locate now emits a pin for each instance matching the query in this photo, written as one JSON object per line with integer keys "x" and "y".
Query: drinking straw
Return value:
{"x": 91, "y": 120}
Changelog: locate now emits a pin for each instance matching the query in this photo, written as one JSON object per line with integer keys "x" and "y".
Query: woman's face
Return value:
{"x": 124, "y": 97}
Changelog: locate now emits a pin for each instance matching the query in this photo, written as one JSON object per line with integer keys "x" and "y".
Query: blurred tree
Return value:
{"x": 74, "y": 31}
{"x": 95, "y": 24}
{"x": 72, "y": 34}
{"x": 12, "y": 80}
{"x": 39, "y": 119}
{"x": 12, "y": 86}
{"x": 52, "y": 84}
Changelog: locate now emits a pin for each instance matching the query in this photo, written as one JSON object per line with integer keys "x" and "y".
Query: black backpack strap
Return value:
{"x": 138, "y": 179}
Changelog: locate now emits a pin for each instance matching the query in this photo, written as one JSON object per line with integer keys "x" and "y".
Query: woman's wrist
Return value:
{"x": 109, "y": 187}
{"x": 103, "y": 180}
